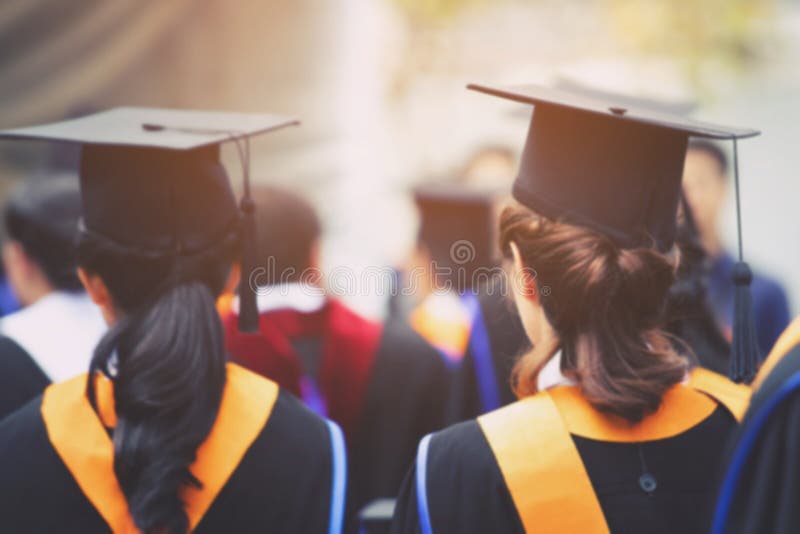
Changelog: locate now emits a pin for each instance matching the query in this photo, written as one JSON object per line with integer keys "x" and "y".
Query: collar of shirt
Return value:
{"x": 300, "y": 297}
{"x": 551, "y": 376}
{"x": 59, "y": 331}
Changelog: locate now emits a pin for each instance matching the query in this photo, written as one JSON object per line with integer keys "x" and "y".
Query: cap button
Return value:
{"x": 618, "y": 110}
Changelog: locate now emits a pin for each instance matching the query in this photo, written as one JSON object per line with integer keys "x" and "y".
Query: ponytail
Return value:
{"x": 606, "y": 306}
{"x": 167, "y": 359}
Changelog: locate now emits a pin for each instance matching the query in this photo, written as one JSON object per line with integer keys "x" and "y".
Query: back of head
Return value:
{"x": 288, "y": 229}
{"x": 161, "y": 232}
{"x": 605, "y": 303}
{"x": 42, "y": 216}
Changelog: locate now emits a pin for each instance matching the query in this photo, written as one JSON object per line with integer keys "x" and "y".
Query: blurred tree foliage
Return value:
{"x": 427, "y": 12}
{"x": 733, "y": 34}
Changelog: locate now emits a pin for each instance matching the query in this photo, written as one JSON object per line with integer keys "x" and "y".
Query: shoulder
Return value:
{"x": 287, "y": 415}
{"x": 734, "y": 397}
{"x": 293, "y": 420}
{"x": 344, "y": 318}
{"x": 24, "y": 445}
{"x": 767, "y": 288}
{"x": 21, "y": 379}
{"x": 465, "y": 489}
{"x": 787, "y": 341}
{"x": 21, "y": 426}
{"x": 463, "y": 449}
{"x": 401, "y": 342}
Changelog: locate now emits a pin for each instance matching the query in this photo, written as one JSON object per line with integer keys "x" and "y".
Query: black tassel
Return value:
{"x": 745, "y": 352}
{"x": 248, "y": 311}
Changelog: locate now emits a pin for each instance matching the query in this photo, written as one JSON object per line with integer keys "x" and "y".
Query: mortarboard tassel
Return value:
{"x": 745, "y": 352}
{"x": 248, "y": 310}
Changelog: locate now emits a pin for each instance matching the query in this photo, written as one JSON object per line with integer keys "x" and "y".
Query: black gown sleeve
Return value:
{"x": 765, "y": 498}
{"x": 284, "y": 481}
{"x": 37, "y": 492}
{"x": 20, "y": 378}
{"x": 507, "y": 342}
{"x": 465, "y": 488}
{"x": 405, "y": 400}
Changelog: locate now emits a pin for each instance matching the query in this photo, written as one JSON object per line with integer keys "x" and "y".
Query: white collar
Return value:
{"x": 59, "y": 331}
{"x": 297, "y": 296}
{"x": 551, "y": 376}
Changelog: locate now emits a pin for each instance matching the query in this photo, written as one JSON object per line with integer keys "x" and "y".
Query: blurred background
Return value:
{"x": 379, "y": 86}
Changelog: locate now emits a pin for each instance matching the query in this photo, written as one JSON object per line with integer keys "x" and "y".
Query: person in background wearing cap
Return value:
{"x": 382, "y": 383}
{"x": 163, "y": 436}
{"x": 460, "y": 307}
{"x": 613, "y": 430}
{"x": 706, "y": 186}
{"x": 52, "y": 338}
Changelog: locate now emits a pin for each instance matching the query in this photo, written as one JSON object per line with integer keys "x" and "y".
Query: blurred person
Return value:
{"x": 382, "y": 383}
{"x": 163, "y": 435}
{"x": 613, "y": 428}
{"x": 688, "y": 314}
{"x": 760, "y": 489}
{"x": 52, "y": 337}
{"x": 461, "y": 308}
{"x": 706, "y": 185}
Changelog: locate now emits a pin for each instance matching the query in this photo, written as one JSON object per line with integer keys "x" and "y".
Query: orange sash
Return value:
{"x": 82, "y": 443}
{"x": 786, "y": 342}
{"x": 532, "y": 444}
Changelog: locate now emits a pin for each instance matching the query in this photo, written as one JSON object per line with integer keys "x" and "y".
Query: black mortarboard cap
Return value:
{"x": 457, "y": 228}
{"x": 152, "y": 180}
{"x": 599, "y": 163}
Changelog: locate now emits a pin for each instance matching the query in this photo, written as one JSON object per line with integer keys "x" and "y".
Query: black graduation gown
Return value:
{"x": 283, "y": 483}
{"x": 467, "y": 493}
{"x": 405, "y": 400}
{"x": 472, "y": 393}
{"x": 764, "y": 496}
{"x": 405, "y": 387}
{"x": 21, "y": 379}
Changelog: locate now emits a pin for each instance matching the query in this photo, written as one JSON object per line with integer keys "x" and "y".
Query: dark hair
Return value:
{"x": 42, "y": 216}
{"x": 689, "y": 317}
{"x": 713, "y": 150}
{"x": 170, "y": 368}
{"x": 605, "y": 305}
{"x": 287, "y": 227}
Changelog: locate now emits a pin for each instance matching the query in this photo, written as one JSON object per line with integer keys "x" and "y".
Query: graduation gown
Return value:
{"x": 382, "y": 383}
{"x": 268, "y": 464}
{"x": 551, "y": 463}
{"x": 762, "y": 485}
{"x": 21, "y": 379}
{"x": 481, "y": 383}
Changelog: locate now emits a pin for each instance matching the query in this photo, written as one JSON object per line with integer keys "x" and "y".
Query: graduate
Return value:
{"x": 706, "y": 184}
{"x": 613, "y": 432}
{"x": 689, "y": 316}
{"x": 162, "y": 435}
{"x": 41, "y": 220}
{"x": 760, "y": 489}
{"x": 463, "y": 309}
{"x": 382, "y": 383}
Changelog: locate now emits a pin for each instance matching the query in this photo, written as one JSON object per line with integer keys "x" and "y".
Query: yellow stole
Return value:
{"x": 539, "y": 461}
{"x": 81, "y": 441}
